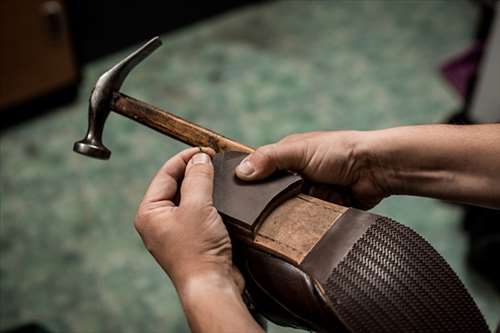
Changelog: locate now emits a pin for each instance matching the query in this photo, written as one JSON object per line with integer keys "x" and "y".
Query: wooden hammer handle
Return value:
{"x": 181, "y": 129}
{"x": 172, "y": 125}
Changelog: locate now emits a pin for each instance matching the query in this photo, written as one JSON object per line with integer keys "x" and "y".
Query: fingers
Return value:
{"x": 164, "y": 185}
{"x": 284, "y": 155}
{"x": 197, "y": 186}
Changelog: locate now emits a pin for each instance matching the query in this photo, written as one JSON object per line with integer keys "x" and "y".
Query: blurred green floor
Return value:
{"x": 70, "y": 257}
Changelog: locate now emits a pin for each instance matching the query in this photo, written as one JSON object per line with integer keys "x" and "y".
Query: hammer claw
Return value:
{"x": 101, "y": 97}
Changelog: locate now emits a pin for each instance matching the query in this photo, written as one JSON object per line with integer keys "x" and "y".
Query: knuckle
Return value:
{"x": 202, "y": 170}
{"x": 267, "y": 152}
{"x": 193, "y": 204}
{"x": 268, "y": 155}
{"x": 147, "y": 215}
{"x": 290, "y": 138}
{"x": 152, "y": 232}
{"x": 141, "y": 218}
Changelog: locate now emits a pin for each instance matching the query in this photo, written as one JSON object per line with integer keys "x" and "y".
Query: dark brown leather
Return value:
{"x": 284, "y": 293}
{"x": 246, "y": 204}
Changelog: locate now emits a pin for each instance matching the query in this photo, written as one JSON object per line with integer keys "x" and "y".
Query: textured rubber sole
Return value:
{"x": 392, "y": 280}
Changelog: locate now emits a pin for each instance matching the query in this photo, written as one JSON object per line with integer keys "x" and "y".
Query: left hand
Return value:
{"x": 187, "y": 239}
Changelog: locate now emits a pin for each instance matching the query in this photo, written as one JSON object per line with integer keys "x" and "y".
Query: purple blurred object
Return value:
{"x": 460, "y": 70}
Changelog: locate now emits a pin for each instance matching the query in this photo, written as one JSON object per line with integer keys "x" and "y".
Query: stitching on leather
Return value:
{"x": 278, "y": 242}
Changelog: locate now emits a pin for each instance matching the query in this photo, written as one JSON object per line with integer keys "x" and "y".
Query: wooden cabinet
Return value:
{"x": 36, "y": 52}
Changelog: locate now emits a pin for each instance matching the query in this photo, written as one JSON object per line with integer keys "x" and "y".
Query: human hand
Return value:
{"x": 188, "y": 238}
{"x": 334, "y": 158}
{"x": 183, "y": 231}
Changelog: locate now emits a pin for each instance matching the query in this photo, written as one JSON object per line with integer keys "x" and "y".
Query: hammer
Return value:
{"x": 105, "y": 97}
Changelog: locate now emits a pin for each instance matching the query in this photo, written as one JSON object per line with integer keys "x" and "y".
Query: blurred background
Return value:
{"x": 254, "y": 70}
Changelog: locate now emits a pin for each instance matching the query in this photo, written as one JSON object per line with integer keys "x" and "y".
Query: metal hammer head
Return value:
{"x": 100, "y": 101}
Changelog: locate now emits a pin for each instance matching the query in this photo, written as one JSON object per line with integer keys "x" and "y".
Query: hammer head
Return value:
{"x": 101, "y": 97}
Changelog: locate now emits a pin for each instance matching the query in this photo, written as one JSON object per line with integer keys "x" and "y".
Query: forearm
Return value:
{"x": 457, "y": 163}
{"x": 213, "y": 303}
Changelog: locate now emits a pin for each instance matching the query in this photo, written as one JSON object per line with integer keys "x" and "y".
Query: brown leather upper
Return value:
{"x": 284, "y": 293}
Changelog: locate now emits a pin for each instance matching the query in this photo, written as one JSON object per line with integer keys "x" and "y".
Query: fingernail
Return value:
{"x": 245, "y": 168}
{"x": 201, "y": 158}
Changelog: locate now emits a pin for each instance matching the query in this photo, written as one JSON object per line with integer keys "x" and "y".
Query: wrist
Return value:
{"x": 203, "y": 277}
{"x": 213, "y": 302}
{"x": 374, "y": 159}
{"x": 402, "y": 162}
{"x": 208, "y": 285}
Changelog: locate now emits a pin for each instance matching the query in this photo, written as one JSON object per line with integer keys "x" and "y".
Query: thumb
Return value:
{"x": 267, "y": 159}
{"x": 197, "y": 185}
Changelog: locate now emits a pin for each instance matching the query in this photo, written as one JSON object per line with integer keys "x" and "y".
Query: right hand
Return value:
{"x": 333, "y": 158}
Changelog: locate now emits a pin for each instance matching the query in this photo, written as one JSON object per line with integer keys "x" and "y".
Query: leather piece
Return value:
{"x": 246, "y": 204}
{"x": 336, "y": 243}
{"x": 283, "y": 293}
